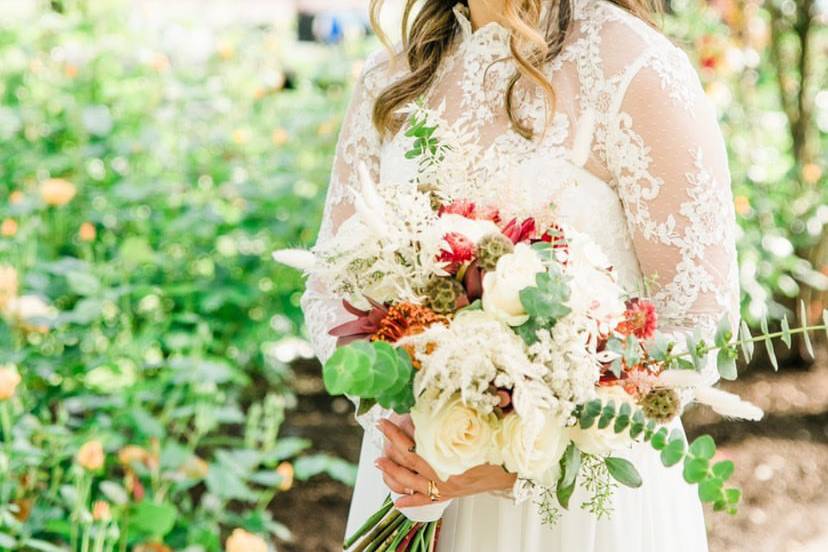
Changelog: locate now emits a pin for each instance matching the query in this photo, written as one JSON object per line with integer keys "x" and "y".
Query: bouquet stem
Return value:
{"x": 388, "y": 530}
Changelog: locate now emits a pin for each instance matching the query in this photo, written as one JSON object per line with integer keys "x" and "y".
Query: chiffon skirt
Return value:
{"x": 663, "y": 514}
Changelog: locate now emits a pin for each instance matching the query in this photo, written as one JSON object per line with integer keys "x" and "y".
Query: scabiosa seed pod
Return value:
{"x": 445, "y": 295}
{"x": 491, "y": 248}
{"x": 661, "y": 405}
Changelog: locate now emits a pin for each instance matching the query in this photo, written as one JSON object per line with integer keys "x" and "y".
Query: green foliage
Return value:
{"x": 545, "y": 302}
{"x": 169, "y": 329}
{"x": 372, "y": 370}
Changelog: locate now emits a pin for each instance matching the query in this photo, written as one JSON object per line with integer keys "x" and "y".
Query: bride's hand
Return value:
{"x": 407, "y": 473}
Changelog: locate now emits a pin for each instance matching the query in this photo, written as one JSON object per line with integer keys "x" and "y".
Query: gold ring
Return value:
{"x": 433, "y": 491}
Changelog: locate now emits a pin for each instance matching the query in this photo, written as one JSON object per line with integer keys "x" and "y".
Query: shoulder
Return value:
{"x": 380, "y": 68}
{"x": 630, "y": 49}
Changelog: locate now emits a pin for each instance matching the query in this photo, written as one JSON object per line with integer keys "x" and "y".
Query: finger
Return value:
{"x": 406, "y": 477}
{"x": 402, "y": 450}
{"x": 414, "y": 500}
{"x": 395, "y": 485}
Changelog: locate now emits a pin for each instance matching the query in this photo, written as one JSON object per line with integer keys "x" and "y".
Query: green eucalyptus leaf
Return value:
{"x": 746, "y": 342}
{"x": 726, "y": 364}
{"x": 695, "y": 469}
{"x": 803, "y": 319}
{"x": 623, "y": 471}
{"x": 710, "y": 490}
{"x": 659, "y": 440}
{"x": 723, "y": 470}
{"x": 703, "y": 447}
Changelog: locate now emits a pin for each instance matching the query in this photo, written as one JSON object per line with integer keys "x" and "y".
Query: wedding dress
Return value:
{"x": 633, "y": 157}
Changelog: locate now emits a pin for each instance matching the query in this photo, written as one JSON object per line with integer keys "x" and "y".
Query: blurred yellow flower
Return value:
{"x": 28, "y": 312}
{"x": 16, "y": 197}
{"x": 8, "y": 285}
{"x": 811, "y": 172}
{"x": 285, "y": 469}
{"x": 70, "y": 70}
{"x": 742, "y": 204}
{"x": 241, "y": 136}
{"x": 225, "y": 50}
{"x": 280, "y": 137}
{"x": 326, "y": 128}
{"x": 242, "y": 541}
{"x": 87, "y": 232}
{"x": 91, "y": 455}
{"x": 8, "y": 228}
{"x": 57, "y": 191}
{"x": 100, "y": 511}
{"x": 195, "y": 468}
{"x": 9, "y": 380}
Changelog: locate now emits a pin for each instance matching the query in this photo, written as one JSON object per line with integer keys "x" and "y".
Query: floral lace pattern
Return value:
{"x": 633, "y": 156}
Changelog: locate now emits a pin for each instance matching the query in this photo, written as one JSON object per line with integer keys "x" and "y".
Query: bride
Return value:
{"x": 580, "y": 106}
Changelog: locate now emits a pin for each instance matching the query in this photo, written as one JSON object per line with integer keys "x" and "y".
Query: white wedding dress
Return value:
{"x": 633, "y": 157}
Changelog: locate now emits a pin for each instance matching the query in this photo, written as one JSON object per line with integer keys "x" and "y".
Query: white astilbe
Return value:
{"x": 568, "y": 353}
{"x": 470, "y": 354}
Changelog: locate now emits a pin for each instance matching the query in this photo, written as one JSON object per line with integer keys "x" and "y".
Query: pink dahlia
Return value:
{"x": 470, "y": 210}
{"x": 460, "y": 251}
{"x": 639, "y": 319}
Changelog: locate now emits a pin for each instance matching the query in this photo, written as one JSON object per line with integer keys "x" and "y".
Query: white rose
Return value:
{"x": 533, "y": 453}
{"x": 594, "y": 289}
{"x": 602, "y": 442}
{"x": 454, "y": 437}
{"x": 472, "y": 229}
{"x": 501, "y": 288}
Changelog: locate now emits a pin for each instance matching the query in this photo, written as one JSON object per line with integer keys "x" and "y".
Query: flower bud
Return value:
{"x": 285, "y": 470}
{"x": 57, "y": 191}
{"x": 101, "y": 511}
{"x": 9, "y": 380}
{"x": 91, "y": 455}
{"x": 242, "y": 541}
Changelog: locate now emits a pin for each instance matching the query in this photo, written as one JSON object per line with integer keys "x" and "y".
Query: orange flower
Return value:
{"x": 16, "y": 197}
{"x": 811, "y": 173}
{"x": 57, "y": 191}
{"x": 242, "y": 541}
{"x": 91, "y": 455}
{"x": 132, "y": 454}
{"x": 8, "y": 228}
{"x": 87, "y": 232}
{"x": 285, "y": 470}
{"x": 100, "y": 511}
{"x": 742, "y": 204}
{"x": 195, "y": 468}
{"x": 9, "y": 380}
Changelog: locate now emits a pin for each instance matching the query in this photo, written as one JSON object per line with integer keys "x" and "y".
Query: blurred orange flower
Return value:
{"x": 57, "y": 191}
{"x": 16, "y": 197}
{"x": 242, "y": 541}
{"x": 91, "y": 455}
{"x": 8, "y": 228}
{"x": 280, "y": 137}
{"x": 285, "y": 469}
{"x": 811, "y": 172}
{"x": 8, "y": 285}
{"x": 87, "y": 232}
{"x": 742, "y": 204}
{"x": 101, "y": 511}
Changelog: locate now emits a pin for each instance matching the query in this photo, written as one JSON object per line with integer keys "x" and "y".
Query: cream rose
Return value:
{"x": 501, "y": 288}
{"x": 533, "y": 452}
{"x": 602, "y": 442}
{"x": 454, "y": 437}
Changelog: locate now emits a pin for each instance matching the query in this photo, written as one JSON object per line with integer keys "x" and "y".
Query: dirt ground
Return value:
{"x": 781, "y": 464}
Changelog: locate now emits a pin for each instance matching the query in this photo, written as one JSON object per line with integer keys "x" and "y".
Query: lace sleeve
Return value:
{"x": 667, "y": 156}
{"x": 358, "y": 143}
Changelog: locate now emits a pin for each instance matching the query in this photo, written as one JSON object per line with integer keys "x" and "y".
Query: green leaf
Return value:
{"x": 622, "y": 420}
{"x": 623, "y": 471}
{"x": 227, "y": 484}
{"x": 114, "y": 492}
{"x": 710, "y": 490}
{"x": 83, "y": 283}
{"x": 703, "y": 447}
{"x": 348, "y": 368}
{"x": 570, "y": 466}
{"x": 659, "y": 440}
{"x": 152, "y": 519}
{"x": 547, "y": 299}
{"x": 733, "y": 496}
{"x": 724, "y": 333}
{"x": 590, "y": 412}
{"x": 723, "y": 470}
{"x": 673, "y": 453}
{"x": 607, "y": 415}
{"x": 726, "y": 364}
{"x": 763, "y": 325}
{"x": 803, "y": 320}
{"x": 695, "y": 469}
{"x": 786, "y": 331}
{"x": 746, "y": 342}
{"x": 637, "y": 425}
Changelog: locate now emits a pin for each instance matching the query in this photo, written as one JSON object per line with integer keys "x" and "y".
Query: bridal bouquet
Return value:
{"x": 509, "y": 342}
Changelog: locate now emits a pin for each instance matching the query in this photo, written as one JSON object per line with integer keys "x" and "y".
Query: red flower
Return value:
{"x": 362, "y": 327}
{"x": 555, "y": 236}
{"x": 460, "y": 250}
{"x": 469, "y": 210}
{"x": 519, "y": 232}
{"x": 639, "y": 319}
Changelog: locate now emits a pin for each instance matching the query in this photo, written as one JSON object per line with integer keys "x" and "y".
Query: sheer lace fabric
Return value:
{"x": 632, "y": 156}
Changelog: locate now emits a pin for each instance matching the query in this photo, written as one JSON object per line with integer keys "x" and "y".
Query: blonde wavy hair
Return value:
{"x": 534, "y": 41}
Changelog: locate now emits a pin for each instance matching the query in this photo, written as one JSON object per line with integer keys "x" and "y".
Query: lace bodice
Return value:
{"x": 633, "y": 156}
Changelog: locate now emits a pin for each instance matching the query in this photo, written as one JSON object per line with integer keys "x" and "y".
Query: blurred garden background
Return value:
{"x": 156, "y": 390}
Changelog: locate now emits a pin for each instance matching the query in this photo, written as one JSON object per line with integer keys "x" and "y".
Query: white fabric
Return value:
{"x": 634, "y": 157}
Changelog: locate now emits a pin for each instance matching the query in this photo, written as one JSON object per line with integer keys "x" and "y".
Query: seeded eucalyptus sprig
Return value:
{"x": 697, "y": 458}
